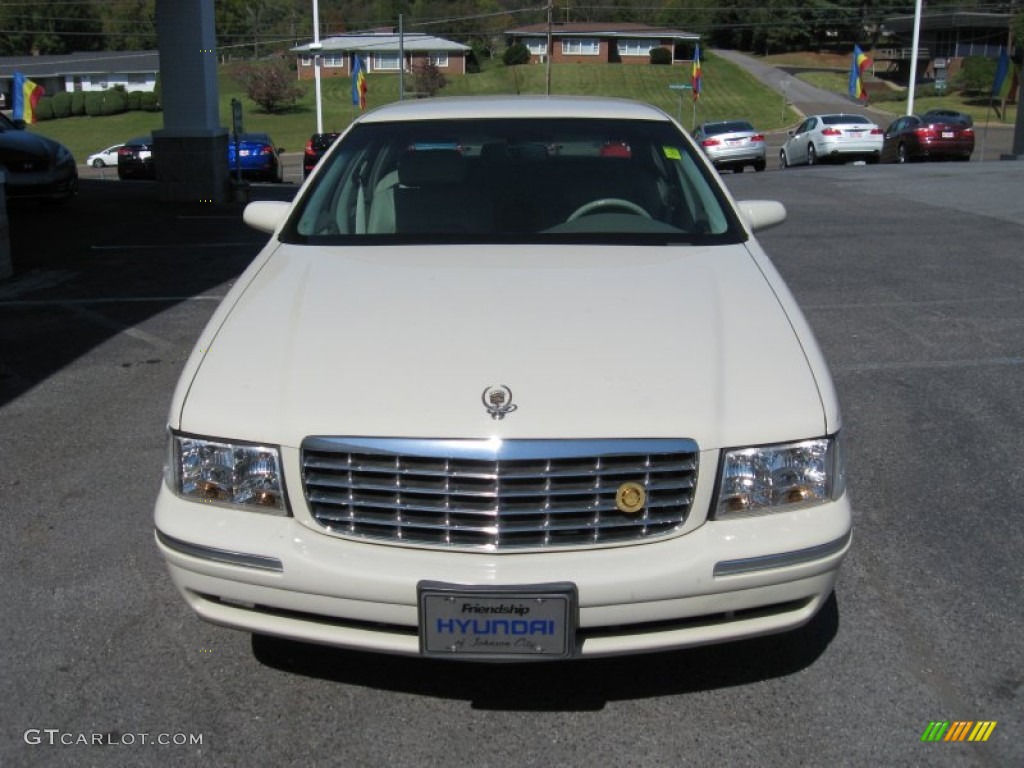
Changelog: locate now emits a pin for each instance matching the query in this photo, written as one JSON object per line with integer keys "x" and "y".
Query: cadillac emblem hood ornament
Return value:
{"x": 498, "y": 401}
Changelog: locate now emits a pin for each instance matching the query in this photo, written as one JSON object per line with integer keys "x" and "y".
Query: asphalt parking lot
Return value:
{"x": 911, "y": 276}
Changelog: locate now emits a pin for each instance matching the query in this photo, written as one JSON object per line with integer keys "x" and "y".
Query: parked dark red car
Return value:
{"x": 915, "y": 138}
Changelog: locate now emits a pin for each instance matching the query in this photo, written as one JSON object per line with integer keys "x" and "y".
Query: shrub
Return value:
{"x": 427, "y": 78}
{"x": 61, "y": 103}
{"x": 44, "y": 108}
{"x": 517, "y": 53}
{"x": 270, "y": 84}
{"x": 115, "y": 102}
{"x": 660, "y": 56}
{"x": 94, "y": 103}
{"x": 149, "y": 102}
{"x": 134, "y": 100}
{"x": 977, "y": 74}
{"x": 77, "y": 103}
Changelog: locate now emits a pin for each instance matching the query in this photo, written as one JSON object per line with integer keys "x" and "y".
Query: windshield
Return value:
{"x": 508, "y": 180}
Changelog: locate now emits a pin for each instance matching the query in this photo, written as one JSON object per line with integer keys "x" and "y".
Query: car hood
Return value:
{"x": 592, "y": 342}
{"x": 22, "y": 145}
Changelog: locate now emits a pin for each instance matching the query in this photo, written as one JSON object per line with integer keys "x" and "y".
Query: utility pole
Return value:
{"x": 547, "y": 59}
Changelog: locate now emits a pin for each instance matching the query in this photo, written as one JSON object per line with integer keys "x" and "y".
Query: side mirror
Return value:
{"x": 762, "y": 214}
{"x": 280, "y": 150}
{"x": 791, "y": 133}
{"x": 265, "y": 215}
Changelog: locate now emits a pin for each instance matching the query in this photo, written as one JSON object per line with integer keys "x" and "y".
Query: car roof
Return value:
{"x": 468, "y": 107}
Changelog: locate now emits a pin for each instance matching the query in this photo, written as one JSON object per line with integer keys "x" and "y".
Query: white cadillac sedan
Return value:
{"x": 494, "y": 392}
{"x": 832, "y": 138}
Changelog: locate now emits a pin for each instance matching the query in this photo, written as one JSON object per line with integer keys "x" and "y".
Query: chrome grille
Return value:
{"x": 495, "y": 495}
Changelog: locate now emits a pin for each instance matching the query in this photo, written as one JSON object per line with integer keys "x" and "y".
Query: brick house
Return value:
{"x": 381, "y": 52}
{"x": 592, "y": 42}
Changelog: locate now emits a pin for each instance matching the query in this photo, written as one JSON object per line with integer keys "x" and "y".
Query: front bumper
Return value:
{"x": 722, "y": 581}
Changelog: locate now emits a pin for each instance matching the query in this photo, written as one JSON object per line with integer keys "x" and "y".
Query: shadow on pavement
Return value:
{"x": 584, "y": 685}
{"x": 100, "y": 264}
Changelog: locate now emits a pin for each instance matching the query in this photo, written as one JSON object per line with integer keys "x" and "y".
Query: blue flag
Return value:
{"x": 1002, "y": 71}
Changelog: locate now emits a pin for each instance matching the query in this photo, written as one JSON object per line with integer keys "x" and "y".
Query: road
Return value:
{"x": 910, "y": 276}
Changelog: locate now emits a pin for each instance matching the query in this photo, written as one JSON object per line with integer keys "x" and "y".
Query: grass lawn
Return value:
{"x": 729, "y": 92}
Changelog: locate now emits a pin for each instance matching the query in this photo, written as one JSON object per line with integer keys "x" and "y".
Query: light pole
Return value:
{"x": 315, "y": 48}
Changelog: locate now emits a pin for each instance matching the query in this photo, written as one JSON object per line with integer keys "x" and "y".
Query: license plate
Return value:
{"x": 948, "y": 134}
{"x": 516, "y": 623}
{"x": 735, "y": 141}
{"x": 244, "y": 152}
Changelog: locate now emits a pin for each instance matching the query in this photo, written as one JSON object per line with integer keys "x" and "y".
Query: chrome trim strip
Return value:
{"x": 495, "y": 448}
{"x": 261, "y": 562}
{"x": 783, "y": 559}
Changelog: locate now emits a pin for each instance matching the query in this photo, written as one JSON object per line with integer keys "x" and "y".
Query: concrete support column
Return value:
{"x": 190, "y": 152}
{"x": 6, "y": 265}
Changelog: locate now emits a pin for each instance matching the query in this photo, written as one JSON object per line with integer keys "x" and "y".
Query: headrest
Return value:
{"x": 422, "y": 167}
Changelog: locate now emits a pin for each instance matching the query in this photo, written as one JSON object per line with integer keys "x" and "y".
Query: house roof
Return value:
{"x": 601, "y": 29}
{"x": 957, "y": 19}
{"x": 81, "y": 63}
{"x": 371, "y": 42}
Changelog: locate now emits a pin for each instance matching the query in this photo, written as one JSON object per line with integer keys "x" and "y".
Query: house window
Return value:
{"x": 439, "y": 59}
{"x": 537, "y": 46}
{"x": 334, "y": 60}
{"x": 581, "y": 46}
{"x": 633, "y": 47}
{"x": 386, "y": 60}
{"x": 305, "y": 60}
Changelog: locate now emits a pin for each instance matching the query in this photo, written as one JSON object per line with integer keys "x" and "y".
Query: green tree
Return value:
{"x": 128, "y": 25}
{"x": 48, "y": 28}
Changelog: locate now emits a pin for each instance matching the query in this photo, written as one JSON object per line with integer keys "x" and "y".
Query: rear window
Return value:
{"x": 735, "y": 126}
{"x": 844, "y": 120}
{"x": 513, "y": 180}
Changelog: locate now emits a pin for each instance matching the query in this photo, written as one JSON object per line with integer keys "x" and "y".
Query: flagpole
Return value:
{"x": 913, "y": 57}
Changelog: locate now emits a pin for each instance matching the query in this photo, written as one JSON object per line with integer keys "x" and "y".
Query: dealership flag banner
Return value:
{"x": 695, "y": 77}
{"x": 359, "y": 83}
{"x": 26, "y": 95}
{"x": 1006, "y": 82}
{"x": 860, "y": 63}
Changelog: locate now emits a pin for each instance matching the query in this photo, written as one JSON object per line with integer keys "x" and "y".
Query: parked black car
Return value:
{"x": 35, "y": 166}
{"x": 317, "y": 145}
{"x": 135, "y": 159}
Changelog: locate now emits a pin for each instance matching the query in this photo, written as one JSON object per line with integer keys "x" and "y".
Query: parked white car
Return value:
{"x": 105, "y": 157}
{"x": 832, "y": 138}
{"x": 494, "y": 392}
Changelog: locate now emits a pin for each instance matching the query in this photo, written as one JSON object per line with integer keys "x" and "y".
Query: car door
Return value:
{"x": 797, "y": 147}
{"x": 891, "y": 139}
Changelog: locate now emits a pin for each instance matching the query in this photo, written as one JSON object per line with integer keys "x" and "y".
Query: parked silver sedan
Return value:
{"x": 832, "y": 138}
{"x": 732, "y": 144}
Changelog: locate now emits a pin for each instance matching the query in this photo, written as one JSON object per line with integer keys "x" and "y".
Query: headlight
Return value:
{"x": 63, "y": 155}
{"x": 226, "y": 473}
{"x": 775, "y": 478}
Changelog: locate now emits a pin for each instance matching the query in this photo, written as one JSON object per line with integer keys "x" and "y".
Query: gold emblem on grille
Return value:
{"x": 630, "y": 498}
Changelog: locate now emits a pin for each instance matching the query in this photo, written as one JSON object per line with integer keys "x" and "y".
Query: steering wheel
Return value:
{"x": 608, "y": 202}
